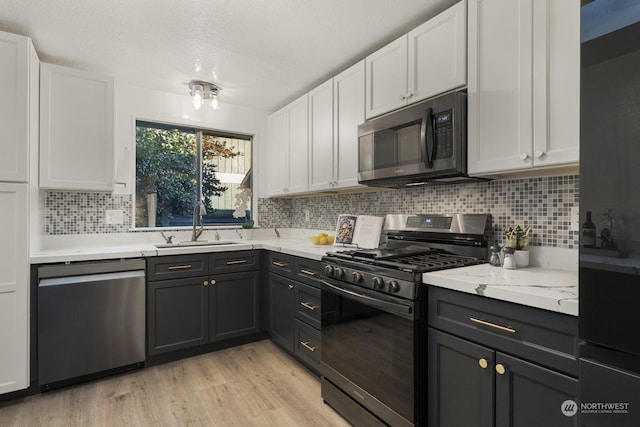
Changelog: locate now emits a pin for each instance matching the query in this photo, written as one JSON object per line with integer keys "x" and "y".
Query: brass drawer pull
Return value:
{"x": 309, "y": 306}
{"x": 500, "y": 369}
{"x": 483, "y": 363}
{"x": 309, "y": 272}
{"x": 279, "y": 264}
{"x": 205, "y": 283}
{"x": 493, "y": 325}
{"x": 290, "y": 287}
{"x": 240, "y": 261}
{"x": 179, "y": 267}
{"x": 306, "y": 345}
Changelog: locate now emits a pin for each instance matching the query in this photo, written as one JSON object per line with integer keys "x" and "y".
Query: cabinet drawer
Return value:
{"x": 543, "y": 337}
{"x": 307, "y": 302}
{"x": 174, "y": 267}
{"x": 230, "y": 262}
{"x": 307, "y": 344}
{"x": 307, "y": 271}
{"x": 281, "y": 264}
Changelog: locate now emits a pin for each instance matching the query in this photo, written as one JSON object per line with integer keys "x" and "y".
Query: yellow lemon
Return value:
{"x": 315, "y": 240}
{"x": 330, "y": 239}
{"x": 323, "y": 240}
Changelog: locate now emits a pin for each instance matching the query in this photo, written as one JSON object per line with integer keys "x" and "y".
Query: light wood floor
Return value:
{"x": 251, "y": 385}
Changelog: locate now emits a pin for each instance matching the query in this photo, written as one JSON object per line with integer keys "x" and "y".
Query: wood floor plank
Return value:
{"x": 256, "y": 384}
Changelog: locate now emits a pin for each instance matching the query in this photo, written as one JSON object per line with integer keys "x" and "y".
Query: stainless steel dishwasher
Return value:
{"x": 91, "y": 320}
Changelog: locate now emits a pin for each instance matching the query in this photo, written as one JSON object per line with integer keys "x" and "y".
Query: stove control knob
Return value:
{"x": 338, "y": 272}
{"x": 378, "y": 283}
{"x": 328, "y": 270}
{"x": 356, "y": 276}
{"x": 394, "y": 286}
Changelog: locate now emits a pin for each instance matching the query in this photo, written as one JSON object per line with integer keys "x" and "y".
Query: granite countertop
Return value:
{"x": 554, "y": 290}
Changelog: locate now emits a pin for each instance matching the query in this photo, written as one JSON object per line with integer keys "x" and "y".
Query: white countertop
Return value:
{"x": 554, "y": 290}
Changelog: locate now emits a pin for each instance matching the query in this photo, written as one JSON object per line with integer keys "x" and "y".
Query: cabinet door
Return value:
{"x": 15, "y": 86}
{"x": 348, "y": 102}
{"x": 234, "y": 305}
{"x": 277, "y": 170}
{"x": 14, "y": 288}
{"x": 460, "y": 386}
{"x": 556, "y": 82}
{"x": 281, "y": 297}
{"x": 528, "y": 395}
{"x": 177, "y": 314}
{"x": 76, "y": 130}
{"x": 321, "y": 173}
{"x": 298, "y": 146}
{"x": 500, "y": 93}
{"x": 386, "y": 78}
{"x": 438, "y": 54}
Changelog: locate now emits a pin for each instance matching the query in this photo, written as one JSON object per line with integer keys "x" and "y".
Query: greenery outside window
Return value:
{"x": 176, "y": 167}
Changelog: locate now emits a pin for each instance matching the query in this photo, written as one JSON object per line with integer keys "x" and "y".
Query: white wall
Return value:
{"x": 136, "y": 103}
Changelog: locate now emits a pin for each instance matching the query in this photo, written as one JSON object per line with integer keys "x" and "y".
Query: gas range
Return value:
{"x": 415, "y": 244}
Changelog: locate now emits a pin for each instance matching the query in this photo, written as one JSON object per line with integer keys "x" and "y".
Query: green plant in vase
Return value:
{"x": 518, "y": 239}
{"x": 248, "y": 224}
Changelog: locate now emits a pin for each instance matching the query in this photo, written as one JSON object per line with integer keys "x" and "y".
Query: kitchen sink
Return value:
{"x": 197, "y": 243}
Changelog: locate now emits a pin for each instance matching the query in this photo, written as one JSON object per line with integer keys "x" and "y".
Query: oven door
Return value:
{"x": 370, "y": 346}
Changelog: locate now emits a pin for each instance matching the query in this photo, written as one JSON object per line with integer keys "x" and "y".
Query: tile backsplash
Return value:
{"x": 543, "y": 202}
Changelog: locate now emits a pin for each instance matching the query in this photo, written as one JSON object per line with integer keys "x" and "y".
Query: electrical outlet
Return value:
{"x": 306, "y": 215}
{"x": 574, "y": 220}
{"x": 115, "y": 216}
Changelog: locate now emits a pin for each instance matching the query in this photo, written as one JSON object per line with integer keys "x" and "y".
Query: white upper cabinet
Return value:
{"x": 76, "y": 130}
{"x": 18, "y": 124}
{"x": 287, "y": 171}
{"x": 321, "y": 147}
{"x": 348, "y": 113}
{"x": 523, "y": 92}
{"x": 336, "y": 108}
{"x": 429, "y": 60}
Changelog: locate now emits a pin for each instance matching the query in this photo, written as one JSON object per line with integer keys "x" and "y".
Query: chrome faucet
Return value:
{"x": 277, "y": 232}
{"x": 168, "y": 239}
{"x": 198, "y": 211}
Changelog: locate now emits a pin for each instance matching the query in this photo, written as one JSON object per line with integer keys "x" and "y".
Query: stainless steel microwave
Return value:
{"x": 426, "y": 142}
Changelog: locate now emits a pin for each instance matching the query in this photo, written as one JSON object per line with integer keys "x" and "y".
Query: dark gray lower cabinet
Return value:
{"x": 294, "y": 307}
{"x": 281, "y": 294}
{"x": 473, "y": 385}
{"x": 177, "y": 314}
{"x": 234, "y": 305}
{"x": 186, "y": 311}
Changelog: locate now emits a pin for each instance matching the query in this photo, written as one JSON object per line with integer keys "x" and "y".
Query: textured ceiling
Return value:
{"x": 263, "y": 53}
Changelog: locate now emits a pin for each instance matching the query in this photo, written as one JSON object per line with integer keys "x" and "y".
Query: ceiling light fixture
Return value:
{"x": 204, "y": 93}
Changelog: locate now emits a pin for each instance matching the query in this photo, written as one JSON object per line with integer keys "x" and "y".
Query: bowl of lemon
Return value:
{"x": 322, "y": 239}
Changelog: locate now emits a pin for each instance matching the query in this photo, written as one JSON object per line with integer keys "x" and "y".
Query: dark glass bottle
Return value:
{"x": 588, "y": 238}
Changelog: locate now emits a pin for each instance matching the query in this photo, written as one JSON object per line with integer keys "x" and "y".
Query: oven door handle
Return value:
{"x": 403, "y": 310}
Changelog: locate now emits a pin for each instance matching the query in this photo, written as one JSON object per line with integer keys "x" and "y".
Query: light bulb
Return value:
{"x": 196, "y": 92}
{"x": 214, "y": 101}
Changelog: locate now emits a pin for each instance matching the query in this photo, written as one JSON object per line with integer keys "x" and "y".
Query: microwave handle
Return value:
{"x": 426, "y": 137}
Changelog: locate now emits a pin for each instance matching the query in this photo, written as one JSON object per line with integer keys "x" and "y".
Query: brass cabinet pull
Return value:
{"x": 212, "y": 282}
{"x": 483, "y": 363}
{"x": 205, "y": 283}
{"x": 179, "y": 267}
{"x": 240, "y": 261}
{"x": 306, "y": 345}
{"x": 500, "y": 369}
{"x": 279, "y": 264}
{"x": 309, "y": 306}
{"x": 309, "y": 272}
{"x": 493, "y": 325}
{"x": 290, "y": 287}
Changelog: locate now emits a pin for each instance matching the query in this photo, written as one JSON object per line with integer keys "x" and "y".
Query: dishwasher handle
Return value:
{"x": 89, "y": 278}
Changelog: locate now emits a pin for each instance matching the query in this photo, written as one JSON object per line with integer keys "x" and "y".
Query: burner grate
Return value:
{"x": 429, "y": 262}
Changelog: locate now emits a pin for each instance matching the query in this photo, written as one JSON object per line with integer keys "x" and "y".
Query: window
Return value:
{"x": 176, "y": 167}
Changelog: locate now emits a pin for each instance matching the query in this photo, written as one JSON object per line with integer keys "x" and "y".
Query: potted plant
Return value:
{"x": 247, "y": 229}
{"x": 518, "y": 239}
